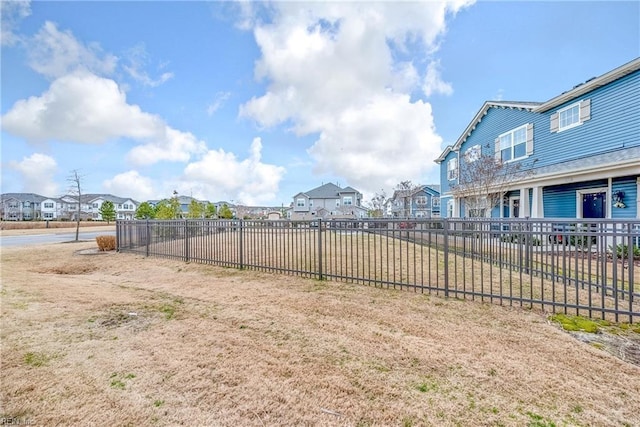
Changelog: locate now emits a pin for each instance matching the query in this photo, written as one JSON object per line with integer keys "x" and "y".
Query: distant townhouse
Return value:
{"x": 30, "y": 206}
{"x": 21, "y": 206}
{"x": 579, "y": 152}
{"x": 423, "y": 201}
{"x": 92, "y": 204}
{"x": 327, "y": 201}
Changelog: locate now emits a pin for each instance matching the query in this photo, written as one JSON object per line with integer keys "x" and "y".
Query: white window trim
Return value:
{"x": 452, "y": 172}
{"x": 512, "y": 200}
{"x": 581, "y": 193}
{"x": 513, "y": 131}
{"x": 298, "y": 205}
{"x": 569, "y": 107}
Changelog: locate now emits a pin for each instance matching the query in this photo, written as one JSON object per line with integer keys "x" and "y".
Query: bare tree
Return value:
{"x": 75, "y": 189}
{"x": 483, "y": 181}
{"x": 377, "y": 205}
{"x": 403, "y": 194}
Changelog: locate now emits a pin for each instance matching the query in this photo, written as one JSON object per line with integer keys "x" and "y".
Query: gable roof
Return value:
{"x": 519, "y": 105}
{"x": 589, "y": 85}
{"x": 24, "y": 197}
{"x": 327, "y": 191}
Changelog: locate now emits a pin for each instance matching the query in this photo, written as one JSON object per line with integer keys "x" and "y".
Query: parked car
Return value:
{"x": 405, "y": 225}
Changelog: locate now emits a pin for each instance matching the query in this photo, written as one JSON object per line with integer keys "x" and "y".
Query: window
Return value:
{"x": 337, "y": 202}
{"x": 571, "y": 116}
{"x": 310, "y": 203}
{"x": 435, "y": 201}
{"x": 472, "y": 154}
{"x": 48, "y": 205}
{"x": 452, "y": 169}
{"x": 421, "y": 200}
{"x": 94, "y": 205}
{"x": 450, "y": 208}
{"x": 513, "y": 144}
{"x": 48, "y": 215}
{"x": 348, "y": 200}
{"x": 300, "y": 203}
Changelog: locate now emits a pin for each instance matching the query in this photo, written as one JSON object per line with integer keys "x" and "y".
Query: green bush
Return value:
{"x": 623, "y": 250}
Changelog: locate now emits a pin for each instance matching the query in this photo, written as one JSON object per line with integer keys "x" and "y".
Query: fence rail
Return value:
{"x": 583, "y": 267}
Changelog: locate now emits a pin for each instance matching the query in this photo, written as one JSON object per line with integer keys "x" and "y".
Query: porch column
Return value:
{"x": 525, "y": 209}
{"x": 537, "y": 207}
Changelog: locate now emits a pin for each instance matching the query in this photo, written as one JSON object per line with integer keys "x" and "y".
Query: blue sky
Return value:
{"x": 253, "y": 102}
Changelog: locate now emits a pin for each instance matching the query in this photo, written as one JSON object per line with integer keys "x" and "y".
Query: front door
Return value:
{"x": 594, "y": 205}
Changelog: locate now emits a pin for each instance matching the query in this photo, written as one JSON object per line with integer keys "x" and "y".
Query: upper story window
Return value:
{"x": 347, "y": 200}
{"x": 421, "y": 200}
{"x": 94, "y": 205}
{"x": 571, "y": 116}
{"x": 473, "y": 153}
{"x": 338, "y": 202}
{"x": 452, "y": 169}
{"x": 435, "y": 201}
{"x": 300, "y": 203}
{"x": 513, "y": 144}
{"x": 48, "y": 205}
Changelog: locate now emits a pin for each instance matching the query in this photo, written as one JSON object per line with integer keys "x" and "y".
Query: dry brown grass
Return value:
{"x": 118, "y": 339}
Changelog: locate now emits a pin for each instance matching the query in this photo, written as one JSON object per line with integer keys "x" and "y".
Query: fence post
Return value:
{"x": 148, "y": 237}
{"x": 320, "y": 274}
{"x": 186, "y": 240}
{"x": 118, "y": 224}
{"x": 445, "y": 234}
{"x": 241, "y": 249}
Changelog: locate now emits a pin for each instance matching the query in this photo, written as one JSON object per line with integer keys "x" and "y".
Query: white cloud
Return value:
{"x": 433, "y": 83}
{"x": 220, "y": 174}
{"x": 331, "y": 70}
{"x": 37, "y": 171}
{"x": 138, "y": 58}
{"x": 11, "y": 13}
{"x": 55, "y": 53}
{"x": 131, "y": 184}
{"x": 170, "y": 145}
{"x": 220, "y": 99}
{"x": 380, "y": 144}
{"x": 84, "y": 108}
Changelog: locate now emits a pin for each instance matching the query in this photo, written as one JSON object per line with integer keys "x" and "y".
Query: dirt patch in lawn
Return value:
{"x": 121, "y": 339}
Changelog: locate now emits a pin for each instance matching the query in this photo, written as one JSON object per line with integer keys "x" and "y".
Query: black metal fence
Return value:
{"x": 583, "y": 267}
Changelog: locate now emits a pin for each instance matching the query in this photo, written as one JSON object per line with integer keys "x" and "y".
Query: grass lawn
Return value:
{"x": 119, "y": 339}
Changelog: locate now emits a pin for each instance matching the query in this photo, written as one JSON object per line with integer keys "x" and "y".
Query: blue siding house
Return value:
{"x": 579, "y": 152}
{"x": 423, "y": 201}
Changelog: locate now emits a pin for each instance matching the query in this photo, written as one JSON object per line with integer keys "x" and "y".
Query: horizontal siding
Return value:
{"x": 560, "y": 200}
{"x": 630, "y": 188}
{"x": 615, "y": 114}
